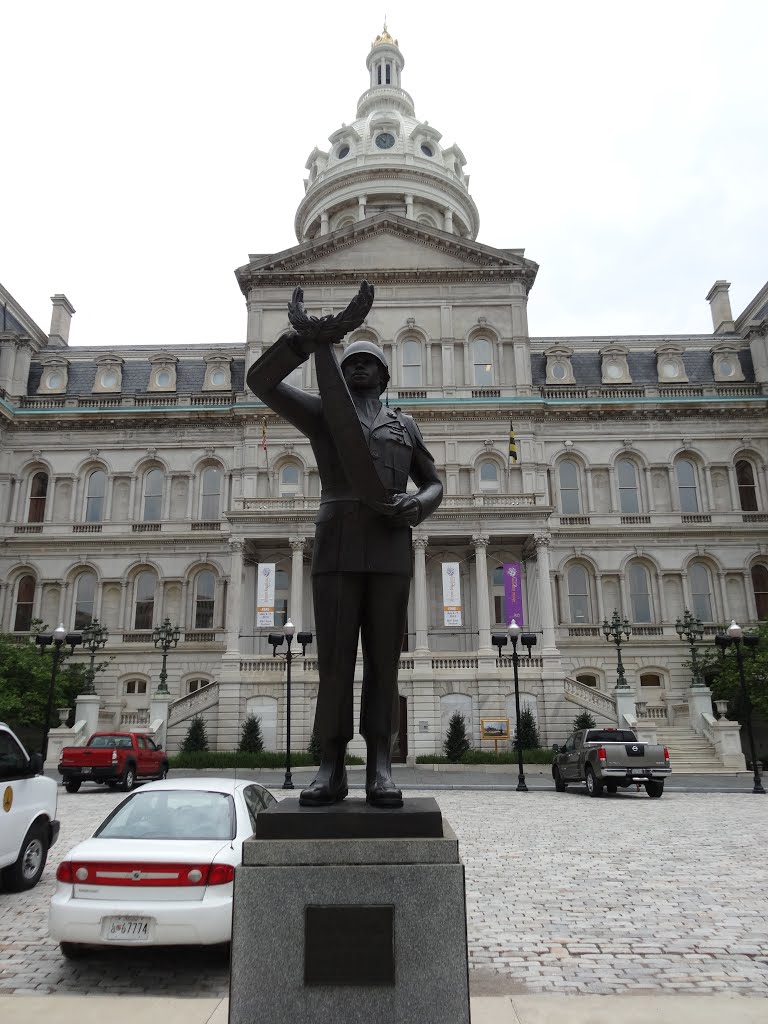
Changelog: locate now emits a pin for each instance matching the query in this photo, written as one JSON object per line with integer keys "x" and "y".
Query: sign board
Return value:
{"x": 265, "y": 594}
{"x": 451, "y": 594}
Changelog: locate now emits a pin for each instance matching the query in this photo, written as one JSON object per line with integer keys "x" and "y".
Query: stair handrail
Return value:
{"x": 198, "y": 700}
{"x": 598, "y": 701}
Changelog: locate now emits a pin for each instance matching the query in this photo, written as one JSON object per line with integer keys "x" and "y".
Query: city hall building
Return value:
{"x": 141, "y": 484}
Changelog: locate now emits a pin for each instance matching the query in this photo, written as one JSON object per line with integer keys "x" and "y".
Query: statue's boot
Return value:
{"x": 380, "y": 790}
{"x": 329, "y": 786}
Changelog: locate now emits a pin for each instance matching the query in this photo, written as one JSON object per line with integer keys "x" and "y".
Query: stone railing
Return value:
{"x": 589, "y": 696}
{"x": 138, "y": 719}
{"x": 451, "y": 664}
{"x": 653, "y": 712}
{"x": 193, "y": 703}
{"x": 725, "y": 737}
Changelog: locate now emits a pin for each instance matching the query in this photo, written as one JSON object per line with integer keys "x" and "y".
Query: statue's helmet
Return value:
{"x": 368, "y": 348}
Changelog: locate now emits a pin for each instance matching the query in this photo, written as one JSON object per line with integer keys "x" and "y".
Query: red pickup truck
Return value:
{"x": 113, "y": 758}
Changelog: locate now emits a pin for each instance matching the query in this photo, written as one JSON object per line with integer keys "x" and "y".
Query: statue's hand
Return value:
{"x": 326, "y": 330}
{"x": 406, "y": 510}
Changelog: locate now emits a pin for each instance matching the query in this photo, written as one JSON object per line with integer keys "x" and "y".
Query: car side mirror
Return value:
{"x": 36, "y": 764}
{"x": 556, "y": 747}
{"x": 159, "y": 746}
{"x": 562, "y": 749}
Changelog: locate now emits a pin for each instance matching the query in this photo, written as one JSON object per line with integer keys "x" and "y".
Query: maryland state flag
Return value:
{"x": 512, "y": 444}
{"x": 264, "y": 434}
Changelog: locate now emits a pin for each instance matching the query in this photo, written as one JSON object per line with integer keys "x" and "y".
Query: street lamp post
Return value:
{"x": 528, "y": 640}
{"x": 691, "y": 629}
{"x": 165, "y": 637}
{"x": 736, "y": 637}
{"x": 276, "y": 639}
{"x": 59, "y": 637}
{"x": 94, "y": 636}
{"x": 618, "y": 632}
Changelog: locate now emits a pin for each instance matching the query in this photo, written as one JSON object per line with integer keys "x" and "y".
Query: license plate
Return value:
{"x": 126, "y": 929}
{"x": 85, "y": 771}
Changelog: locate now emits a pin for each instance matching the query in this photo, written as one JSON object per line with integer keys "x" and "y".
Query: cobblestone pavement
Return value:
{"x": 564, "y": 894}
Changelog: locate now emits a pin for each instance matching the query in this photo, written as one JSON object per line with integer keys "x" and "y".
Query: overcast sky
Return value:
{"x": 149, "y": 147}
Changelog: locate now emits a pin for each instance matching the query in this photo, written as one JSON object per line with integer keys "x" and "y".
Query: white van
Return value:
{"x": 28, "y": 825}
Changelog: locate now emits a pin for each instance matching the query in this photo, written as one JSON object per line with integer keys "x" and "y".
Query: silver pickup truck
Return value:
{"x": 609, "y": 758}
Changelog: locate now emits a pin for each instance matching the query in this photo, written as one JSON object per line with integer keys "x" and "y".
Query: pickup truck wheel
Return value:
{"x": 163, "y": 772}
{"x": 654, "y": 789}
{"x": 594, "y": 788}
{"x": 129, "y": 778}
{"x": 559, "y": 784}
{"x": 72, "y": 785}
{"x": 113, "y": 783}
{"x": 26, "y": 871}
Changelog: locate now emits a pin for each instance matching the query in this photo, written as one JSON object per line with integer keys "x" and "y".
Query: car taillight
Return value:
{"x": 64, "y": 872}
{"x": 136, "y": 875}
{"x": 666, "y": 754}
{"x": 602, "y": 756}
{"x": 220, "y": 874}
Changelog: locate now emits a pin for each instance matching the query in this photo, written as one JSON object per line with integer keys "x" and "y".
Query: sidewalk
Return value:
{"x": 517, "y": 1009}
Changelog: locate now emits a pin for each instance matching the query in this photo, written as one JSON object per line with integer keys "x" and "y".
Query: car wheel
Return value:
{"x": 594, "y": 788}
{"x": 72, "y": 785}
{"x": 654, "y": 789}
{"x": 559, "y": 784}
{"x": 73, "y": 950}
{"x": 612, "y": 787}
{"x": 113, "y": 784}
{"x": 26, "y": 871}
{"x": 129, "y": 779}
{"x": 163, "y": 773}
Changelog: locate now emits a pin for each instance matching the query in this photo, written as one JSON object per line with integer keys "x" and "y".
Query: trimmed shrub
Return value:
{"x": 234, "y": 759}
{"x": 583, "y": 721}
{"x": 529, "y": 733}
{"x": 539, "y": 755}
{"x": 196, "y": 740}
{"x": 314, "y": 747}
{"x": 251, "y": 740}
{"x": 456, "y": 742}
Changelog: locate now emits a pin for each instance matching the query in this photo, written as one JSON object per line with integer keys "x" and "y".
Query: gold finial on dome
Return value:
{"x": 384, "y": 36}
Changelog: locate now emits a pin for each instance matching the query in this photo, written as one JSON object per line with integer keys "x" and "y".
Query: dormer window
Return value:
{"x": 615, "y": 368}
{"x": 55, "y": 375}
{"x": 559, "y": 369}
{"x": 217, "y": 374}
{"x": 343, "y": 151}
{"x": 109, "y": 374}
{"x": 427, "y": 150}
{"x": 726, "y": 365}
{"x": 670, "y": 366}
{"x": 162, "y": 376}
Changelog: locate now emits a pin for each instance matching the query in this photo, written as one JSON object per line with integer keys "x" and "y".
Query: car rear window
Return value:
{"x": 172, "y": 814}
{"x": 611, "y": 736}
{"x": 121, "y": 742}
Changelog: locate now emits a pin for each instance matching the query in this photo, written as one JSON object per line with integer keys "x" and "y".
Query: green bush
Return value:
{"x": 251, "y": 740}
{"x": 538, "y": 755}
{"x": 314, "y": 747}
{"x": 529, "y": 734}
{"x": 236, "y": 759}
{"x": 456, "y": 742}
{"x": 583, "y": 721}
{"x": 196, "y": 739}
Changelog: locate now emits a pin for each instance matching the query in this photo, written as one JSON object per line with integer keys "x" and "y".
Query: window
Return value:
{"x": 745, "y": 478}
{"x": 153, "y": 495}
{"x": 205, "y": 589}
{"x": 639, "y": 594}
{"x": 570, "y": 500}
{"x": 701, "y": 592}
{"x": 12, "y": 759}
{"x": 686, "y": 485}
{"x": 85, "y": 594}
{"x": 211, "y": 493}
{"x": 489, "y": 475}
{"x": 25, "y": 598}
{"x": 588, "y": 680}
{"x": 289, "y": 480}
{"x": 760, "y": 588}
{"x": 411, "y": 363}
{"x": 650, "y": 679}
{"x": 499, "y": 606}
{"x": 193, "y": 685}
{"x": 389, "y": 73}
{"x": 482, "y": 362}
{"x": 145, "y": 600}
{"x": 628, "y": 495}
{"x": 578, "y": 594}
{"x": 94, "y": 501}
{"x": 282, "y": 591}
{"x": 38, "y": 492}
{"x": 135, "y": 687}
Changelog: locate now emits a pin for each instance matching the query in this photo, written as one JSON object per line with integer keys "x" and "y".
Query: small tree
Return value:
{"x": 529, "y": 733}
{"x": 196, "y": 738}
{"x": 456, "y": 742}
{"x": 314, "y": 746}
{"x": 251, "y": 740}
{"x": 583, "y": 721}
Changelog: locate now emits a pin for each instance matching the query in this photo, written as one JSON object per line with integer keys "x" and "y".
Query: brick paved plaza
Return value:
{"x": 565, "y": 894}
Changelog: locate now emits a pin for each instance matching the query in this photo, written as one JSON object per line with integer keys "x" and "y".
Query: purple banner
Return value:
{"x": 513, "y": 593}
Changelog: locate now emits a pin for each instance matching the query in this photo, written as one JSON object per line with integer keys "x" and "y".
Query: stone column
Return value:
{"x": 361, "y": 201}
{"x": 234, "y": 602}
{"x": 546, "y": 605}
{"x": 674, "y": 492}
{"x": 708, "y": 490}
{"x": 165, "y": 513}
{"x": 87, "y": 710}
{"x": 121, "y": 624}
{"x": 409, "y": 206}
{"x": 734, "y": 488}
{"x": 62, "y": 604}
{"x": 447, "y": 220}
{"x": 218, "y": 621}
{"x": 722, "y": 594}
{"x": 625, "y": 605}
{"x": 420, "y": 607}
{"x": 187, "y": 611}
{"x": 749, "y": 594}
{"x": 4, "y": 591}
{"x": 662, "y": 601}
{"x": 190, "y": 495}
{"x": 480, "y": 543}
{"x": 296, "y": 602}
{"x": 132, "y": 500}
{"x": 599, "y": 595}
{"x": 699, "y": 703}
{"x": 590, "y": 491}
{"x": 323, "y": 222}
{"x": 651, "y": 501}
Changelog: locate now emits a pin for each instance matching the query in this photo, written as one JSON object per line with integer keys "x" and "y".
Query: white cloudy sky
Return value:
{"x": 149, "y": 147}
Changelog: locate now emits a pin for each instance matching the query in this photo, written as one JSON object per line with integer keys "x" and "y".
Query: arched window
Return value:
{"x": 25, "y": 599}
{"x": 489, "y": 475}
{"x": 578, "y": 594}
{"x": 135, "y": 687}
{"x": 760, "y": 588}
{"x": 629, "y": 501}
{"x": 411, "y": 363}
{"x": 205, "y": 591}
{"x": 38, "y": 492}
{"x": 639, "y": 594}
{"x": 145, "y": 600}
{"x": 570, "y": 499}
{"x": 701, "y": 592}
{"x": 192, "y": 685}
{"x": 210, "y": 501}
{"x": 587, "y": 678}
{"x": 650, "y": 679}
{"x": 686, "y": 485}
{"x": 482, "y": 362}
{"x": 745, "y": 478}
{"x": 153, "y": 496}
{"x": 289, "y": 480}
{"x": 85, "y": 595}
{"x": 94, "y": 501}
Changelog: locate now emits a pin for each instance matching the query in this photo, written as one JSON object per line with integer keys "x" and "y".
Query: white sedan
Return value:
{"x": 160, "y": 869}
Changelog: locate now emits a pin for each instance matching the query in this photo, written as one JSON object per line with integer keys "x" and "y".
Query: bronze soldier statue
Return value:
{"x": 362, "y": 561}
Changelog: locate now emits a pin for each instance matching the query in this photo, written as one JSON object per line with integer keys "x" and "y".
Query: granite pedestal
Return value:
{"x": 365, "y": 929}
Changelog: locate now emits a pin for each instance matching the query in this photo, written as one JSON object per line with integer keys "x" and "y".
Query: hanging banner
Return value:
{"x": 265, "y": 594}
{"x": 451, "y": 594}
{"x": 513, "y": 593}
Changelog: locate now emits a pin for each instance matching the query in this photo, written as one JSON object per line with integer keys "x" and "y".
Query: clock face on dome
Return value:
{"x": 385, "y": 140}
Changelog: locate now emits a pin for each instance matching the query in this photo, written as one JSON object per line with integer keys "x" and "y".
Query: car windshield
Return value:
{"x": 121, "y": 742}
{"x": 611, "y": 736}
{"x": 172, "y": 814}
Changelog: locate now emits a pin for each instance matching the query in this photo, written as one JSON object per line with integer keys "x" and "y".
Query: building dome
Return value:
{"x": 386, "y": 161}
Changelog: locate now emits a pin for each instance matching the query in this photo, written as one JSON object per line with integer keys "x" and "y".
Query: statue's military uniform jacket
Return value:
{"x": 350, "y": 536}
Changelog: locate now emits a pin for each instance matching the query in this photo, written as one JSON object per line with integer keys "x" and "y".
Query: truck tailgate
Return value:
{"x": 86, "y": 757}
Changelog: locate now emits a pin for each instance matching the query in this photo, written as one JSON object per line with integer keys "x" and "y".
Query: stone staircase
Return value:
{"x": 689, "y": 754}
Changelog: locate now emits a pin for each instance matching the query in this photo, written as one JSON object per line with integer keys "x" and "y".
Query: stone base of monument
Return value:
{"x": 352, "y": 915}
